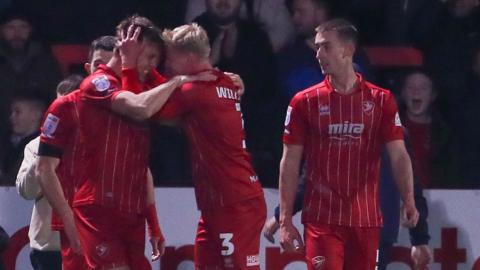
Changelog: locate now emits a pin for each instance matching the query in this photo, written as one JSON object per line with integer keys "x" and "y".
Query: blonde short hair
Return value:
{"x": 188, "y": 38}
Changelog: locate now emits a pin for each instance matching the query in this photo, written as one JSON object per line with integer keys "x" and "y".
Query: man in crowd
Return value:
{"x": 340, "y": 126}
{"x": 26, "y": 112}
{"x": 24, "y": 62}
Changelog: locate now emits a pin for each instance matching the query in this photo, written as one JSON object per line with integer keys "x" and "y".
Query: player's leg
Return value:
{"x": 324, "y": 247}
{"x": 101, "y": 238}
{"x": 362, "y": 249}
{"x": 135, "y": 242}
{"x": 206, "y": 251}
{"x": 238, "y": 229}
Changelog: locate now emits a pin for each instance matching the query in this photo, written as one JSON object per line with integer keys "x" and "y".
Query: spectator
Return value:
{"x": 241, "y": 47}
{"x": 429, "y": 135}
{"x": 24, "y": 62}
{"x": 298, "y": 68}
{"x": 272, "y": 16}
{"x": 26, "y": 112}
{"x": 4, "y": 239}
{"x": 44, "y": 243}
{"x": 410, "y": 22}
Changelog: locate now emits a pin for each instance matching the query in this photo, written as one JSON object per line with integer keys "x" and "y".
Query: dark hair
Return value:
{"x": 69, "y": 84}
{"x": 106, "y": 43}
{"x": 14, "y": 13}
{"x": 321, "y": 4}
{"x": 32, "y": 95}
{"x": 346, "y": 31}
{"x": 149, "y": 30}
{"x": 418, "y": 70}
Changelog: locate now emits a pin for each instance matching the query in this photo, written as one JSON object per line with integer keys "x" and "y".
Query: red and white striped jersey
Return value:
{"x": 221, "y": 166}
{"x": 115, "y": 149}
{"x": 342, "y": 137}
{"x": 60, "y": 130}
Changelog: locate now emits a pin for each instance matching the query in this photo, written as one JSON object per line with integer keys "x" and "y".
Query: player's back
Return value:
{"x": 221, "y": 165}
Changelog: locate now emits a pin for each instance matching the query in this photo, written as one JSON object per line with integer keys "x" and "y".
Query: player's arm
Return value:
{"x": 403, "y": 175}
{"x": 27, "y": 184}
{"x": 289, "y": 179}
{"x": 52, "y": 190}
{"x": 142, "y": 106}
{"x": 156, "y": 237}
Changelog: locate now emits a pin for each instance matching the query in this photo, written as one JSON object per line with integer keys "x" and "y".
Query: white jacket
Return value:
{"x": 40, "y": 233}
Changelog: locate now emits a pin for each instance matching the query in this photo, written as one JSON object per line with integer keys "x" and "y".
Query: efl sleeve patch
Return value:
{"x": 398, "y": 123}
{"x": 287, "y": 118}
{"x": 101, "y": 83}
{"x": 50, "y": 126}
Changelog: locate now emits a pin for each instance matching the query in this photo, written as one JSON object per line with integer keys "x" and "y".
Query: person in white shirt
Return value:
{"x": 44, "y": 242}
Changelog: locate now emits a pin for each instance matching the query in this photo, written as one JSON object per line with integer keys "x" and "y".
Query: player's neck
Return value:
{"x": 344, "y": 82}
{"x": 115, "y": 64}
{"x": 200, "y": 66}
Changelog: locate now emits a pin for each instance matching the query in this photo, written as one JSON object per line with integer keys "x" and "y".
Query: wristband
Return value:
{"x": 152, "y": 222}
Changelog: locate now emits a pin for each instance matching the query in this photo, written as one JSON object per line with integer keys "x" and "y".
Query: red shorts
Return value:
{"x": 331, "y": 247}
{"x": 229, "y": 238}
{"x": 70, "y": 259}
{"x": 111, "y": 238}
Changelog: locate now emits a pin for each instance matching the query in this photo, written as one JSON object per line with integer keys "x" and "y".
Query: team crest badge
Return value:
{"x": 368, "y": 106}
{"x": 324, "y": 110}
{"x": 318, "y": 262}
{"x": 101, "y": 250}
{"x": 101, "y": 83}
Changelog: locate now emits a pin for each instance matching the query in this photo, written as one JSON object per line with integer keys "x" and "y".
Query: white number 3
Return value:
{"x": 227, "y": 246}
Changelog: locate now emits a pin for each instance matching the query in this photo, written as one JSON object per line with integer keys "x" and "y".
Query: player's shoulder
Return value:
{"x": 312, "y": 91}
{"x": 101, "y": 80}
{"x": 376, "y": 90}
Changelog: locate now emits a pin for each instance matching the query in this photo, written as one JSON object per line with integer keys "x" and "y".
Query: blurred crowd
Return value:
{"x": 269, "y": 43}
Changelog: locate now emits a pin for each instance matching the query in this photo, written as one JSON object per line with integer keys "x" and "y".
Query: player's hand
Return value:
{"x": 238, "y": 83}
{"x": 158, "y": 248}
{"x": 71, "y": 232}
{"x": 421, "y": 257}
{"x": 290, "y": 238}
{"x": 409, "y": 214}
{"x": 129, "y": 47}
{"x": 270, "y": 228}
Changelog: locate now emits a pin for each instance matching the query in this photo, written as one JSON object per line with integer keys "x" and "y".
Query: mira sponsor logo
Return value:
{"x": 346, "y": 129}
{"x": 223, "y": 92}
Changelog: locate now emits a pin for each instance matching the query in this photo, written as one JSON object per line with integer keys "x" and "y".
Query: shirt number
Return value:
{"x": 227, "y": 246}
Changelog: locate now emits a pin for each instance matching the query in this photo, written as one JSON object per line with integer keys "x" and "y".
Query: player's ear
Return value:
{"x": 87, "y": 66}
{"x": 349, "y": 49}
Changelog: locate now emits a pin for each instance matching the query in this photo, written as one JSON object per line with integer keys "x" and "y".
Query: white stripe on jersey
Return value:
{"x": 105, "y": 157}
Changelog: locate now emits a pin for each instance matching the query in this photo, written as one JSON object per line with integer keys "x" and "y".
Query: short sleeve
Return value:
{"x": 391, "y": 125}
{"x": 58, "y": 124}
{"x": 295, "y": 121}
{"x": 100, "y": 89}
